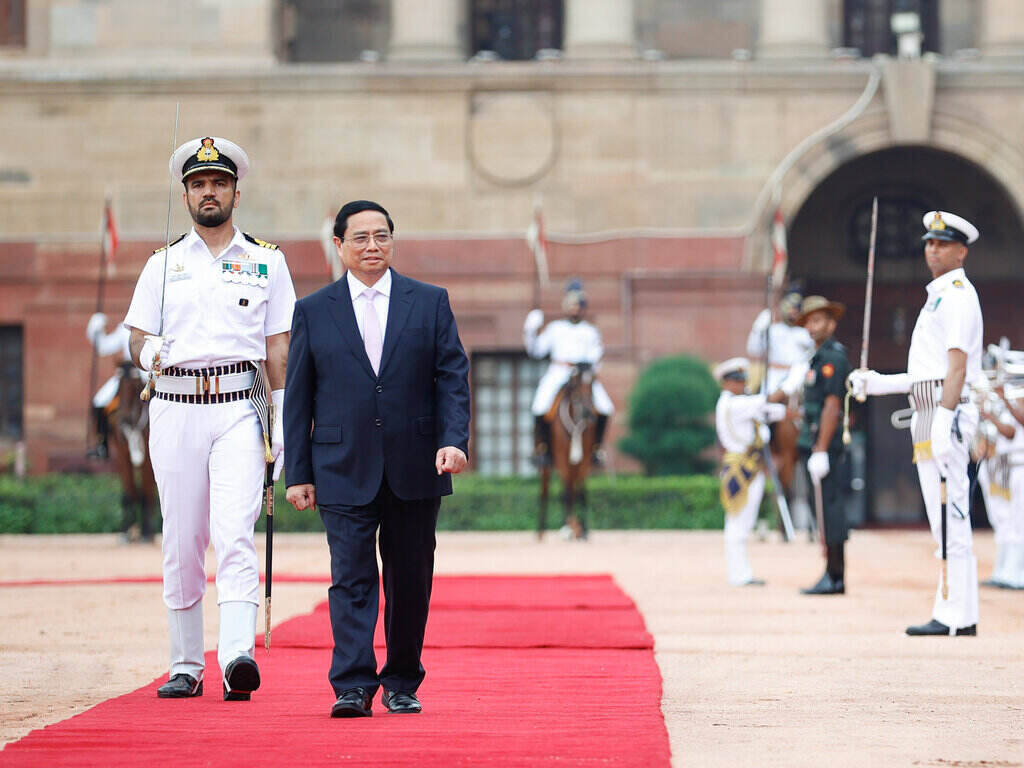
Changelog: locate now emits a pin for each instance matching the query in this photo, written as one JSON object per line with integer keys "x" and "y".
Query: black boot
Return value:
{"x": 599, "y": 430}
{"x": 542, "y": 441}
{"x": 832, "y": 582}
{"x": 835, "y": 563}
{"x": 102, "y": 448}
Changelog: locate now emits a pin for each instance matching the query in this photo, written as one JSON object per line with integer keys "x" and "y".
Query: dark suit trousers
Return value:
{"x": 833, "y": 496}
{"x": 407, "y": 544}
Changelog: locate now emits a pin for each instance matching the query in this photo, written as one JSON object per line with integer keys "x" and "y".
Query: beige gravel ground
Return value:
{"x": 752, "y": 676}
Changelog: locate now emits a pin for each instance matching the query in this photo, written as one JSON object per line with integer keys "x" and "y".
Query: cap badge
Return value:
{"x": 937, "y": 222}
{"x": 207, "y": 152}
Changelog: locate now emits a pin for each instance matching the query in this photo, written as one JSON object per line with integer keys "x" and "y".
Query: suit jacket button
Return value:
{"x": 378, "y": 422}
{"x": 379, "y": 388}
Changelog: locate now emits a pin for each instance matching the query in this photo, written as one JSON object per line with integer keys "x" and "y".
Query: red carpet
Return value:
{"x": 521, "y": 671}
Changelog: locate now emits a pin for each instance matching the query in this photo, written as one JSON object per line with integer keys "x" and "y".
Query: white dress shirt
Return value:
{"x": 949, "y": 319}
{"x": 380, "y": 301}
{"x": 219, "y": 308}
{"x": 737, "y": 416}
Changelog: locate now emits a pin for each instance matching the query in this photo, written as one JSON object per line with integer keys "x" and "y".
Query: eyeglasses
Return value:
{"x": 362, "y": 240}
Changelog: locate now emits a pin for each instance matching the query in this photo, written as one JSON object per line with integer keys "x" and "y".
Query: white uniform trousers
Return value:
{"x": 552, "y": 382}
{"x": 998, "y": 511}
{"x": 737, "y": 531}
{"x": 960, "y": 609}
{"x": 209, "y": 464}
{"x": 1014, "y": 569}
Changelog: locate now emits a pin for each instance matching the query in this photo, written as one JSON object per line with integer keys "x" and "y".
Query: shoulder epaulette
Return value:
{"x": 958, "y": 283}
{"x": 260, "y": 243}
{"x": 175, "y": 241}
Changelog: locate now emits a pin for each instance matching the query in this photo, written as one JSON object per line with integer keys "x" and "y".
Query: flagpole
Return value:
{"x": 100, "y": 282}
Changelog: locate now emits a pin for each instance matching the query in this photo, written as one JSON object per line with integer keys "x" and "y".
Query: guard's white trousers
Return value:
{"x": 998, "y": 510}
{"x": 551, "y": 384}
{"x": 209, "y": 466}
{"x": 107, "y": 392}
{"x": 1014, "y": 558}
{"x": 960, "y": 609}
{"x": 737, "y": 531}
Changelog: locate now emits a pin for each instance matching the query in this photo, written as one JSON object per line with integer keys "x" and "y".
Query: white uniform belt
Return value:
{"x": 206, "y": 385}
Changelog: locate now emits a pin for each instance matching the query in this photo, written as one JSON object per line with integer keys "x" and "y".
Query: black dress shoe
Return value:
{"x": 181, "y": 686}
{"x": 753, "y": 583}
{"x": 826, "y": 586}
{"x": 995, "y": 583}
{"x": 934, "y": 627}
{"x": 241, "y": 678}
{"x": 354, "y": 702}
{"x": 401, "y": 703}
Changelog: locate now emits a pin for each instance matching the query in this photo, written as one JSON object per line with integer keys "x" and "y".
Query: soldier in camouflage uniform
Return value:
{"x": 820, "y": 442}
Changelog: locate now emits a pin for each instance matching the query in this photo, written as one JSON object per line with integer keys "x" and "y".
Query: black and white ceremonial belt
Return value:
{"x": 221, "y": 384}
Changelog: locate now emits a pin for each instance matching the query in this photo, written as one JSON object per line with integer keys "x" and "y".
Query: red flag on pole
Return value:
{"x": 538, "y": 243}
{"x": 780, "y": 258}
{"x": 110, "y": 238}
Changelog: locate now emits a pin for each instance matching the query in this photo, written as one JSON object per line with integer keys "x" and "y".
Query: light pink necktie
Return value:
{"x": 371, "y": 331}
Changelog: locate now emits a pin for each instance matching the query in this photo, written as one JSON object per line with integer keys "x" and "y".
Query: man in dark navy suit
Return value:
{"x": 376, "y": 419}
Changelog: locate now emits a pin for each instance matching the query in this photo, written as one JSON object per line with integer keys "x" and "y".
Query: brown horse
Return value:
{"x": 129, "y": 436}
{"x": 573, "y": 429}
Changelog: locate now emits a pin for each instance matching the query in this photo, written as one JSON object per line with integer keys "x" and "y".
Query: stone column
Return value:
{"x": 1002, "y": 28}
{"x": 599, "y": 29}
{"x": 793, "y": 29}
{"x": 426, "y": 30}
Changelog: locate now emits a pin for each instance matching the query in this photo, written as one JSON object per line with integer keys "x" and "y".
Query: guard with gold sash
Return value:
{"x": 943, "y": 361}
{"x": 738, "y": 421}
{"x": 207, "y": 311}
{"x": 821, "y": 442}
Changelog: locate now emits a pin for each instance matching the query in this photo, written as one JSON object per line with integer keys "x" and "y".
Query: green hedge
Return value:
{"x": 91, "y": 504}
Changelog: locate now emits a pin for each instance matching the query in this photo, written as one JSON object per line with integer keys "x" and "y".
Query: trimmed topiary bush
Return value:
{"x": 670, "y": 423}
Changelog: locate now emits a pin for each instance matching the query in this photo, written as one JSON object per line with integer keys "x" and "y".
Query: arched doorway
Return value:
{"x": 828, "y": 244}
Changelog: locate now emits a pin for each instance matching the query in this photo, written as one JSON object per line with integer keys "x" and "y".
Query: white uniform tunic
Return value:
{"x": 209, "y": 459}
{"x": 950, "y": 319}
{"x": 789, "y": 345}
{"x": 567, "y": 343}
{"x": 736, "y": 421}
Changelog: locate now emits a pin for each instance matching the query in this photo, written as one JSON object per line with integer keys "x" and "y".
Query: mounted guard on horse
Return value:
{"x": 122, "y": 418}
{"x": 570, "y": 342}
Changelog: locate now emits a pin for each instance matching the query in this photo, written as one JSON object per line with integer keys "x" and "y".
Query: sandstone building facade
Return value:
{"x": 658, "y": 136}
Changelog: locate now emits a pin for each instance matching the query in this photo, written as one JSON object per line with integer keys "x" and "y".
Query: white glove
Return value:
{"x": 277, "y": 438}
{"x": 941, "y": 436}
{"x": 818, "y": 466}
{"x": 96, "y": 327}
{"x": 762, "y": 321}
{"x": 794, "y": 381}
{"x": 534, "y": 320}
{"x": 866, "y": 382}
{"x": 155, "y": 351}
{"x": 773, "y": 412}
{"x": 764, "y": 433}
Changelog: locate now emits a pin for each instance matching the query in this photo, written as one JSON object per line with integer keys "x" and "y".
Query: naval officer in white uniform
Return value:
{"x": 228, "y": 305}
{"x": 738, "y": 420}
{"x": 944, "y": 360}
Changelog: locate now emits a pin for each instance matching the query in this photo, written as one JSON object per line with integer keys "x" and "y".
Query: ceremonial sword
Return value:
{"x": 866, "y": 335}
{"x": 155, "y": 368}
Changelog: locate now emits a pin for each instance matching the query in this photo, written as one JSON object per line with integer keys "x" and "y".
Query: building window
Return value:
{"x": 334, "y": 30}
{"x": 10, "y": 382}
{"x": 899, "y": 229}
{"x": 867, "y": 24}
{"x": 516, "y": 29}
{"x": 503, "y": 387}
{"x": 12, "y": 22}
